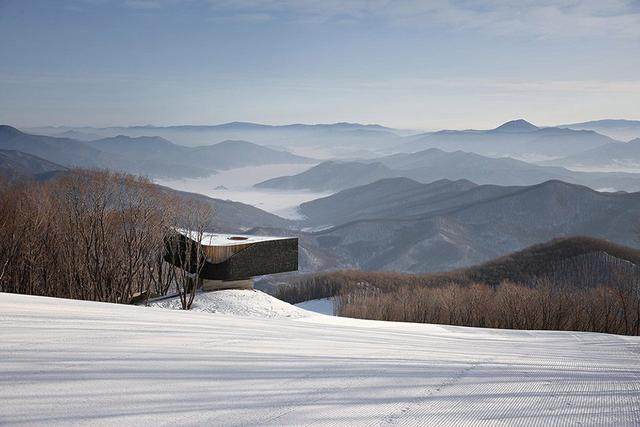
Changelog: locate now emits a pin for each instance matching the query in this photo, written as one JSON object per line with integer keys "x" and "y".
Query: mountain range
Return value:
{"x": 402, "y": 225}
{"x": 613, "y": 156}
{"x": 434, "y": 164}
{"x": 330, "y": 176}
{"x": 154, "y": 151}
{"x": 63, "y": 151}
{"x": 423, "y": 211}
{"x": 152, "y": 156}
{"x": 623, "y": 130}
{"x": 316, "y": 140}
{"x": 517, "y": 139}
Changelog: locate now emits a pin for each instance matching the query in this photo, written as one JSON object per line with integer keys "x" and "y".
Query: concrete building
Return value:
{"x": 231, "y": 261}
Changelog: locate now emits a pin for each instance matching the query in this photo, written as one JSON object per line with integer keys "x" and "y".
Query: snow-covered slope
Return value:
{"x": 73, "y": 362}
{"x": 322, "y": 306}
{"x": 238, "y": 302}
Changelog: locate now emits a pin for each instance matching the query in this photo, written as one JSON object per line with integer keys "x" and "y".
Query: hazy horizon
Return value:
{"x": 461, "y": 126}
{"x": 407, "y": 64}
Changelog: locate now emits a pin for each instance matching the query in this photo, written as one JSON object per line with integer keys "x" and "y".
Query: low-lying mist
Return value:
{"x": 237, "y": 185}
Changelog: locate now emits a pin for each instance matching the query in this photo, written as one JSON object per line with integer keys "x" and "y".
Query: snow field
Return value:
{"x": 74, "y": 362}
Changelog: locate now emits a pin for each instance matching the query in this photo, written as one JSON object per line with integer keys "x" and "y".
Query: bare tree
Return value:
{"x": 185, "y": 252}
{"x": 92, "y": 235}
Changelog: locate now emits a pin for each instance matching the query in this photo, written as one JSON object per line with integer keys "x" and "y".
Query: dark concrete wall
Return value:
{"x": 268, "y": 257}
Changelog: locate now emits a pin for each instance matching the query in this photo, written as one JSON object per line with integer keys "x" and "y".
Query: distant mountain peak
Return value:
{"x": 518, "y": 125}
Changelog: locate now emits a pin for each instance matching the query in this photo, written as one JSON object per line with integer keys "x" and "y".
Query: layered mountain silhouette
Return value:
{"x": 424, "y": 211}
{"x": 77, "y": 134}
{"x": 152, "y": 151}
{"x": 328, "y": 140}
{"x": 614, "y": 156}
{"x": 623, "y": 130}
{"x": 517, "y": 138}
{"x": 63, "y": 151}
{"x": 434, "y": 164}
{"x": 387, "y": 198}
{"x": 400, "y": 225}
{"x": 153, "y": 156}
{"x": 330, "y": 176}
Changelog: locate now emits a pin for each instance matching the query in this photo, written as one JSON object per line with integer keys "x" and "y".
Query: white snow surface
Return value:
{"x": 74, "y": 362}
{"x": 321, "y": 305}
{"x": 237, "y": 302}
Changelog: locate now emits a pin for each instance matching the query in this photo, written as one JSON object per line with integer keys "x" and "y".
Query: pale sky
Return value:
{"x": 405, "y": 63}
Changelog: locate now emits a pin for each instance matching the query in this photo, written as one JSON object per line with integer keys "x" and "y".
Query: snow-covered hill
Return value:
{"x": 74, "y": 362}
{"x": 238, "y": 302}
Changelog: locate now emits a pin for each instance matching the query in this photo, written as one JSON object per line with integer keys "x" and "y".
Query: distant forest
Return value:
{"x": 578, "y": 284}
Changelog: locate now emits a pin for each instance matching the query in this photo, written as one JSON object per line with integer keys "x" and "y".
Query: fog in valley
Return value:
{"x": 237, "y": 185}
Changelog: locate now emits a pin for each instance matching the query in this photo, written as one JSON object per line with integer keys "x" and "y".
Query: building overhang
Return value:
{"x": 231, "y": 257}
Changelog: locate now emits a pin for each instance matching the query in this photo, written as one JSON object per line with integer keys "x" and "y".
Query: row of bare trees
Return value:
{"x": 328, "y": 284}
{"x": 94, "y": 235}
{"x": 590, "y": 292}
{"x": 508, "y": 305}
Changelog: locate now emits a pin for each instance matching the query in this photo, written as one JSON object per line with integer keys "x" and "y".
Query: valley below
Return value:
{"x": 238, "y": 185}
